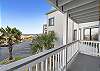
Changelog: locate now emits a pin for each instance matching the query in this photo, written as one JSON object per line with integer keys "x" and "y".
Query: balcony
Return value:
{"x": 75, "y": 56}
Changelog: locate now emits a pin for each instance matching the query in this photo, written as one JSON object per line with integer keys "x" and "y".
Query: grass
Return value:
{"x": 7, "y": 61}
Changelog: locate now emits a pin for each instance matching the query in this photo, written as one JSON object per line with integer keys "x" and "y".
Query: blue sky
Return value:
{"x": 26, "y": 15}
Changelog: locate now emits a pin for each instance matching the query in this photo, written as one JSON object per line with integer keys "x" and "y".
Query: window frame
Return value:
{"x": 51, "y": 21}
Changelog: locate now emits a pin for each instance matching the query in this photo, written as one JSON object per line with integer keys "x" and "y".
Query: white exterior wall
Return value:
{"x": 70, "y": 30}
{"x": 60, "y": 28}
{"x": 59, "y": 22}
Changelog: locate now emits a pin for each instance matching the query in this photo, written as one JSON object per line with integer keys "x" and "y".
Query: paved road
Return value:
{"x": 22, "y": 49}
{"x": 85, "y": 63}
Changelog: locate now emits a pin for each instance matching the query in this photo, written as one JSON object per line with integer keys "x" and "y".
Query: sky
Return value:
{"x": 26, "y": 15}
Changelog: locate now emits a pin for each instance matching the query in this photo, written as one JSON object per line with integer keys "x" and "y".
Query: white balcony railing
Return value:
{"x": 49, "y": 60}
{"x": 90, "y": 47}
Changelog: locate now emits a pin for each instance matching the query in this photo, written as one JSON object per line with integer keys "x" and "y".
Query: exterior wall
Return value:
{"x": 70, "y": 30}
{"x": 59, "y": 21}
{"x": 60, "y": 28}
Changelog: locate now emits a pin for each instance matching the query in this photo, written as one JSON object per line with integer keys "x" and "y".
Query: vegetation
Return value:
{"x": 10, "y": 36}
{"x": 43, "y": 41}
{"x": 7, "y": 61}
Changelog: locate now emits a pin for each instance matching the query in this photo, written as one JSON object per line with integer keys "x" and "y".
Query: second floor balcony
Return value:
{"x": 75, "y": 56}
{"x": 79, "y": 55}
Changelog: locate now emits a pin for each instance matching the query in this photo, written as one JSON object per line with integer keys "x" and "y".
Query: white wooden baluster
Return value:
{"x": 53, "y": 62}
{"x": 30, "y": 68}
{"x": 72, "y": 50}
{"x": 46, "y": 65}
{"x": 50, "y": 63}
{"x": 63, "y": 58}
{"x": 56, "y": 62}
{"x": 99, "y": 49}
{"x": 36, "y": 67}
{"x": 60, "y": 61}
{"x": 96, "y": 52}
{"x": 93, "y": 48}
{"x": 42, "y": 66}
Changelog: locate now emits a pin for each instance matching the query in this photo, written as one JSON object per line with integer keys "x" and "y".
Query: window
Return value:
{"x": 75, "y": 35}
{"x": 91, "y": 34}
{"x": 51, "y": 21}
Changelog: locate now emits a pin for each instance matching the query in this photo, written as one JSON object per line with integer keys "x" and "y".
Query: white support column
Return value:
{"x": 65, "y": 29}
{"x": 78, "y": 32}
{"x": 65, "y": 37}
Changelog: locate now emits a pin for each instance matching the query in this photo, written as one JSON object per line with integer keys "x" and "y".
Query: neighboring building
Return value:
{"x": 45, "y": 29}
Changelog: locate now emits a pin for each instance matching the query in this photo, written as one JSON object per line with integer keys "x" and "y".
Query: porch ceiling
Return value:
{"x": 81, "y": 11}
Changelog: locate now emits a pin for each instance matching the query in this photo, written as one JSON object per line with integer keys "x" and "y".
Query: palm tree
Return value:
{"x": 43, "y": 41}
{"x": 11, "y": 36}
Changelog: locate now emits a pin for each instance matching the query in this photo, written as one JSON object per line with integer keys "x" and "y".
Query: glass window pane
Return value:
{"x": 51, "y": 22}
{"x": 87, "y": 34}
{"x": 94, "y": 34}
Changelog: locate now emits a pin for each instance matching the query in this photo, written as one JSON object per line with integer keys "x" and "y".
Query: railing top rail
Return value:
{"x": 34, "y": 58}
{"x": 90, "y": 41}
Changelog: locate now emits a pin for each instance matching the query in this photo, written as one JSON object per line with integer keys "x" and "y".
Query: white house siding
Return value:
{"x": 60, "y": 27}
{"x": 70, "y": 30}
{"x": 59, "y": 21}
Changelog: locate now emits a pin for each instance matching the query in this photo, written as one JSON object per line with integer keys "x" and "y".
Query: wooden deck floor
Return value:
{"x": 85, "y": 63}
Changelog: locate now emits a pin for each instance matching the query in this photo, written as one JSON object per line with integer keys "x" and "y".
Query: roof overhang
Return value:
{"x": 81, "y": 11}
